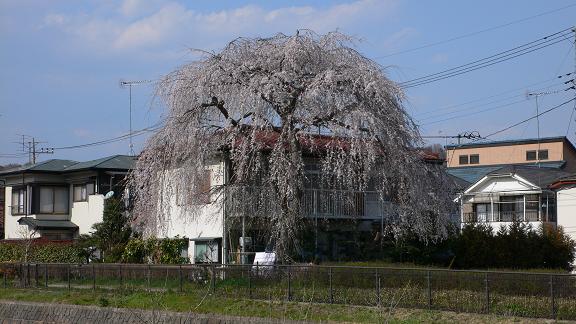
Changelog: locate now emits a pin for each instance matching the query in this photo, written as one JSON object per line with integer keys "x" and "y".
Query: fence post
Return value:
{"x": 213, "y": 278}
{"x": 148, "y": 277}
{"x": 27, "y": 282}
{"x": 36, "y": 274}
{"x": 180, "y": 284}
{"x": 121, "y": 276}
{"x": 330, "y": 284}
{"x": 93, "y": 277}
{"x": 46, "y": 275}
{"x": 289, "y": 285}
{"x": 552, "y": 297}
{"x": 249, "y": 282}
{"x": 68, "y": 275}
{"x": 429, "y": 288}
{"x": 487, "y": 289}
{"x": 378, "y": 301}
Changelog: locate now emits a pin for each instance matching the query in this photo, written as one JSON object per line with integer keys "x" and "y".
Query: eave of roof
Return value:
{"x": 513, "y": 142}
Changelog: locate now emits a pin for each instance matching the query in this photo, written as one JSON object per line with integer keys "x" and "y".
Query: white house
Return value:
{"x": 60, "y": 199}
{"x": 566, "y": 203}
{"x": 333, "y": 213}
{"x": 513, "y": 194}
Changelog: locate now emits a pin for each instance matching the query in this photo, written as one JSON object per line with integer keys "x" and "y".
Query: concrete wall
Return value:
{"x": 25, "y": 312}
{"x": 566, "y": 200}
{"x": 84, "y": 214}
{"x": 509, "y": 154}
{"x": 87, "y": 213}
{"x": 13, "y": 230}
{"x": 206, "y": 221}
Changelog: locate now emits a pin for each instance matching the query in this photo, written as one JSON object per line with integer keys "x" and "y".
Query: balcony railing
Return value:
{"x": 320, "y": 203}
{"x": 342, "y": 204}
{"x": 505, "y": 216}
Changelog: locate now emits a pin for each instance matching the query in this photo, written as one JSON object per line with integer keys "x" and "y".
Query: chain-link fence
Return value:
{"x": 507, "y": 293}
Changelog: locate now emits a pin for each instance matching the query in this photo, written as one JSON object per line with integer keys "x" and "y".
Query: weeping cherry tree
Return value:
{"x": 268, "y": 106}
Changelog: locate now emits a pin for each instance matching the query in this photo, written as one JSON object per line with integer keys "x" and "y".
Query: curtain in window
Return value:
{"x": 61, "y": 200}
{"x": 46, "y": 200}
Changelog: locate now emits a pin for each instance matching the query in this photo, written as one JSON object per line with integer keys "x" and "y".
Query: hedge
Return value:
{"x": 41, "y": 252}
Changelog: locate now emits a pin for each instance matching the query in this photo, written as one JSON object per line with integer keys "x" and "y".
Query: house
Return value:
{"x": 221, "y": 234}
{"x": 513, "y": 193}
{"x": 556, "y": 152}
{"x": 60, "y": 199}
{"x": 565, "y": 188}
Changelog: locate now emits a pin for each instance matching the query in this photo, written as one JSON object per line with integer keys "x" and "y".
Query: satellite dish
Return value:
{"x": 109, "y": 195}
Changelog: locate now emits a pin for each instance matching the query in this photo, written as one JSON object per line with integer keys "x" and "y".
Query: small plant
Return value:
{"x": 103, "y": 302}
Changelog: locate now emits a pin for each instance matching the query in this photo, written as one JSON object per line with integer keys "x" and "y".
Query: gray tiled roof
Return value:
{"x": 114, "y": 162}
{"x": 472, "y": 174}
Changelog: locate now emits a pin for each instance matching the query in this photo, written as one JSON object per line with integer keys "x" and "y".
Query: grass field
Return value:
{"x": 202, "y": 302}
{"x": 508, "y": 294}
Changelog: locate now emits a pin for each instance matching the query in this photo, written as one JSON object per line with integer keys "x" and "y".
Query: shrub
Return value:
{"x": 152, "y": 250}
{"x": 41, "y": 252}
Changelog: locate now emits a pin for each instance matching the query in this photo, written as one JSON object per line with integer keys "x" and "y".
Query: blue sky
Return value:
{"x": 61, "y": 61}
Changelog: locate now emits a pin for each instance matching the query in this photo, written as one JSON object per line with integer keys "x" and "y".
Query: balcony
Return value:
{"x": 316, "y": 203}
{"x": 506, "y": 216}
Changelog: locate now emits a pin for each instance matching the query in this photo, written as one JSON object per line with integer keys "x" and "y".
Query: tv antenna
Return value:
{"x": 123, "y": 84}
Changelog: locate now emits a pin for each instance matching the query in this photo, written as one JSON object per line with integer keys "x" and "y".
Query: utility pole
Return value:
{"x": 33, "y": 152}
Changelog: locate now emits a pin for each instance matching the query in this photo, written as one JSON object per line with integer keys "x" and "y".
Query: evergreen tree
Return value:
{"x": 114, "y": 232}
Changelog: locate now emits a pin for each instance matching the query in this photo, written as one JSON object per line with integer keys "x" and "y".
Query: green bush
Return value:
{"x": 41, "y": 252}
{"x": 152, "y": 250}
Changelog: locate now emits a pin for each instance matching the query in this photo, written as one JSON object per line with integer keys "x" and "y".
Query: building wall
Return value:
{"x": 570, "y": 158}
{"x": 13, "y": 230}
{"x": 510, "y": 154}
{"x": 84, "y": 214}
{"x": 205, "y": 222}
{"x": 87, "y": 213}
{"x": 566, "y": 200}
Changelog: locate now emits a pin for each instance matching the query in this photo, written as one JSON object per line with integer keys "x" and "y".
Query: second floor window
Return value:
{"x": 474, "y": 159}
{"x": 82, "y": 191}
{"x": 531, "y": 155}
{"x": 463, "y": 159}
{"x": 543, "y": 155}
{"x": 18, "y": 201}
{"x": 53, "y": 200}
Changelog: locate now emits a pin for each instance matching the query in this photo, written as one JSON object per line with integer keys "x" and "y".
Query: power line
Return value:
{"x": 529, "y": 119}
{"x": 491, "y": 96}
{"x": 524, "y": 49}
{"x": 113, "y": 139}
{"x": 475, "y": 33}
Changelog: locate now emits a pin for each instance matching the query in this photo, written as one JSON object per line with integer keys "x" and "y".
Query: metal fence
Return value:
{"x": 507, "y": 293}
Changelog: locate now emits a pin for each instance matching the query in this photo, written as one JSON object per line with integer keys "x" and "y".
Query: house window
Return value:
{"x": 543, "y": 155}
{"x": 530, "y": 155}
{"x": 463, "y": 159}
{"x": 19, "y": 201}
{"x": 53, "y": 200}
{"x": 81, "y": 192}
{"x": 206, "y": 251}
{"x": 474, "y": 159}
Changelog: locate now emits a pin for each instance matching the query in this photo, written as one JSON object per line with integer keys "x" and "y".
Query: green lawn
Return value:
{"x": 204, "y": 302}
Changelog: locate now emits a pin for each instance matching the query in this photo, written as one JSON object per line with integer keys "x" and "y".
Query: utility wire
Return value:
{"x": 476, "y": 32}
{"x": 114, "y": 139}
{"x": 529, "y": 119}
{"x": 490, "y": 60}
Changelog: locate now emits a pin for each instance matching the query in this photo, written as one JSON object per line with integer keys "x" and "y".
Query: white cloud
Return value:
{"x": 440, "y": 58}
{"x": 53, "y": 19}
{"x": 170, "y": 24}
